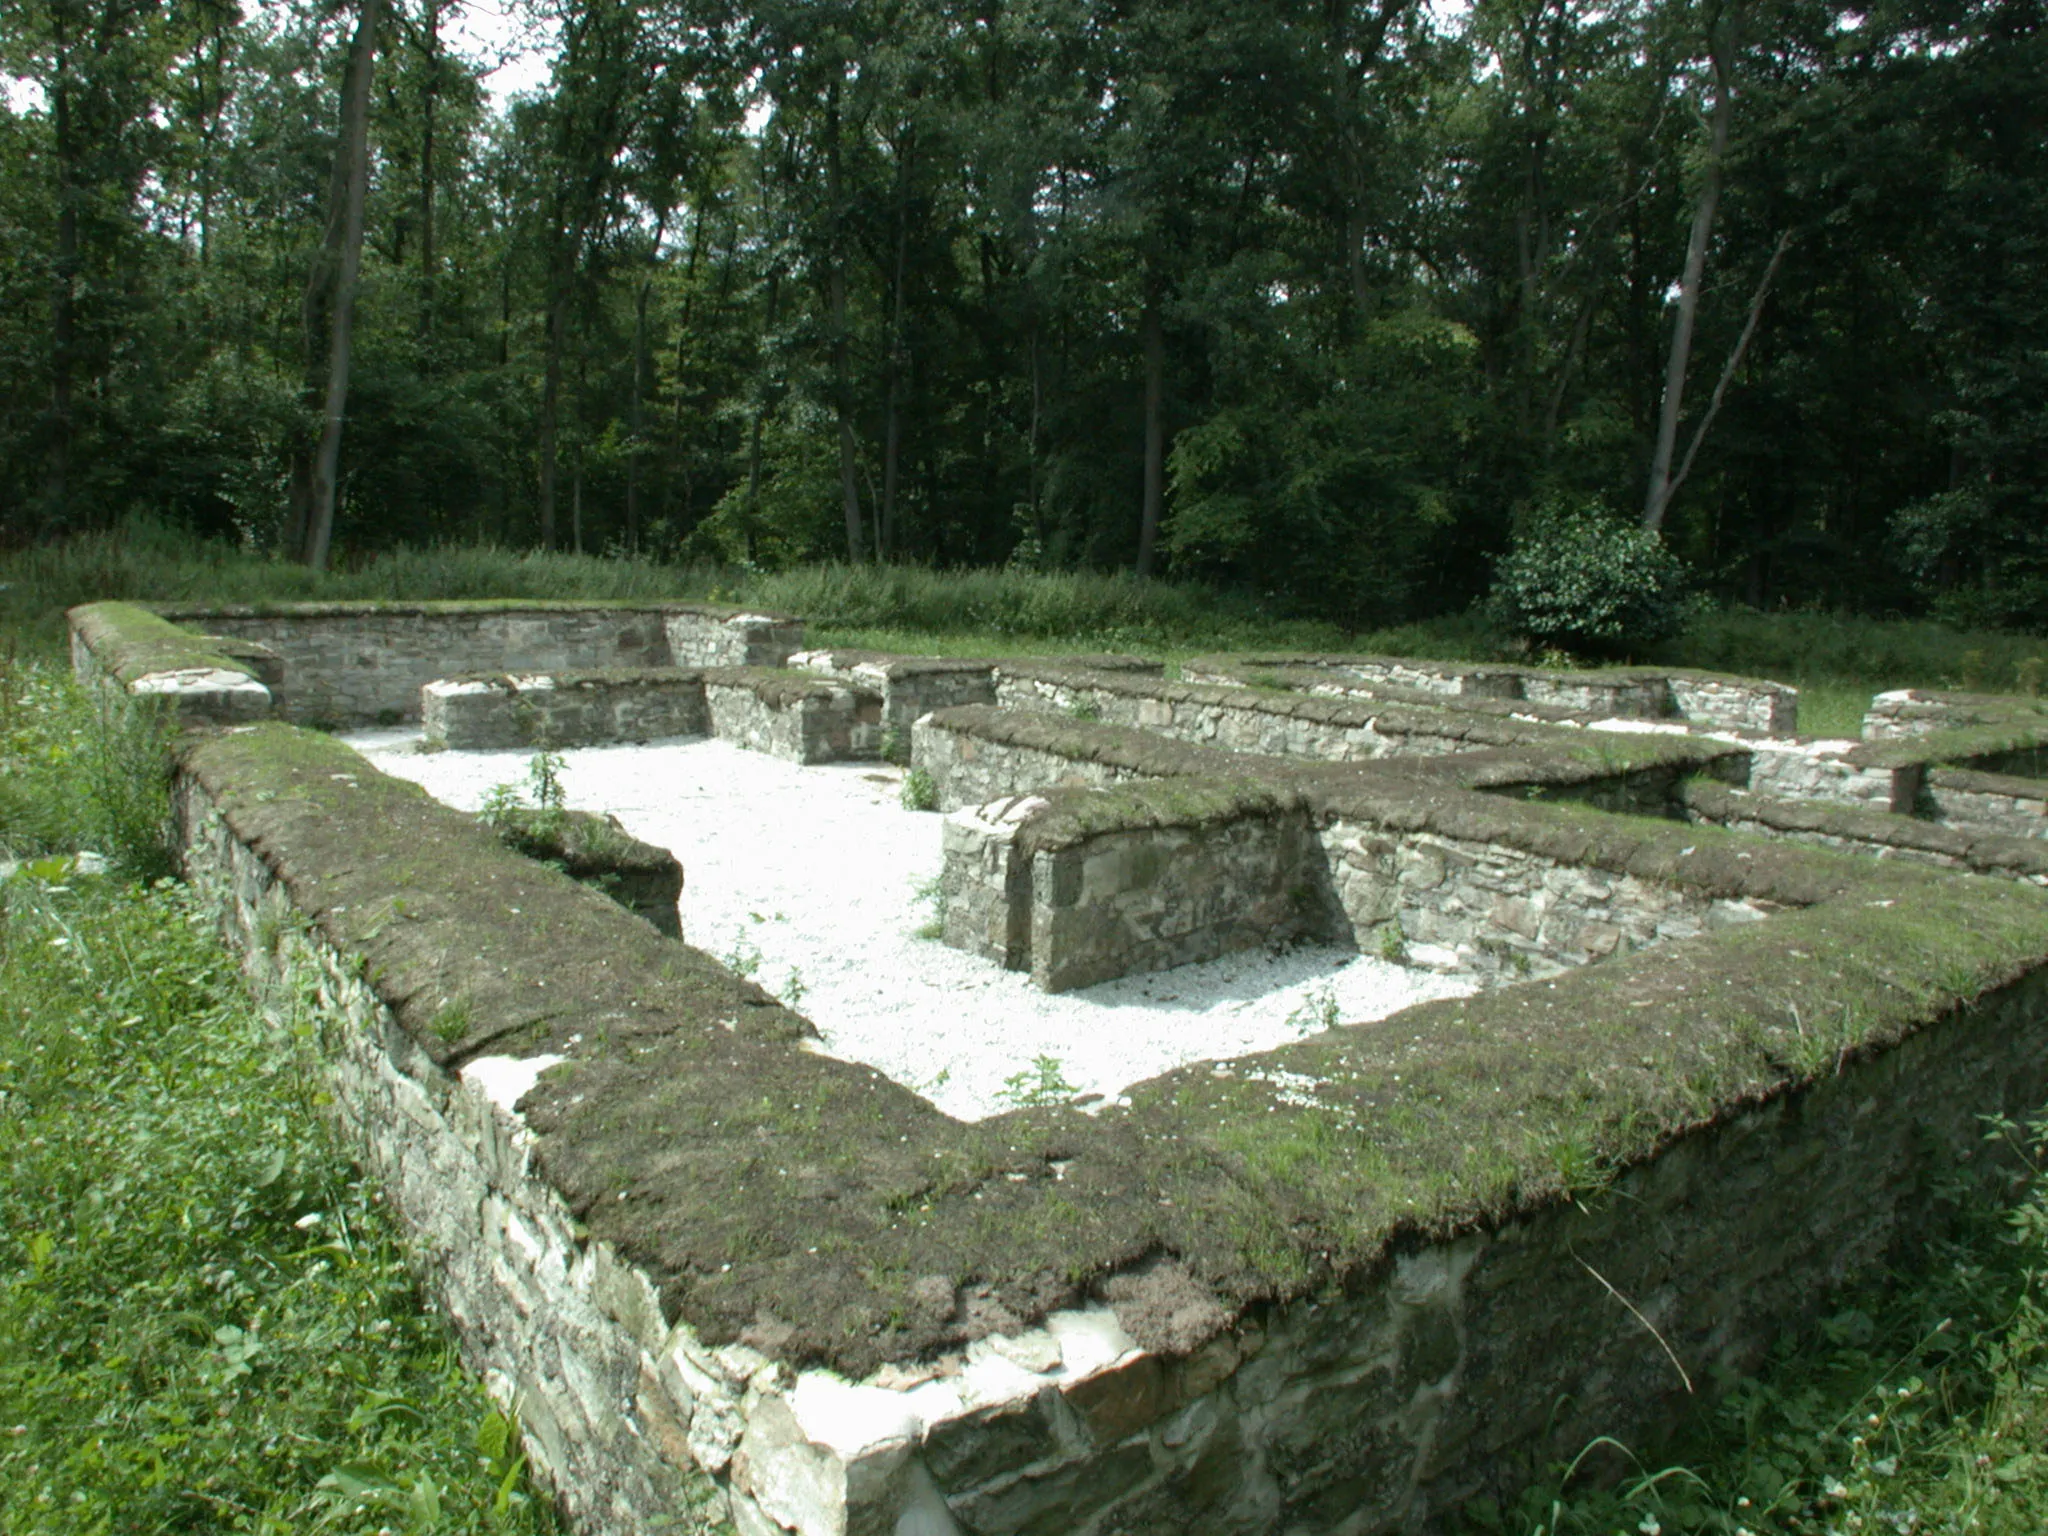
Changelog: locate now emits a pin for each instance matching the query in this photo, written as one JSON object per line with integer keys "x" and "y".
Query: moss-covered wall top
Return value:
{"x": 827, "y": 1215}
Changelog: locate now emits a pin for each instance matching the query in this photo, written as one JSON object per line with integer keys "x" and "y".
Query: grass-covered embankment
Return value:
{"x": 206, "y": 1323}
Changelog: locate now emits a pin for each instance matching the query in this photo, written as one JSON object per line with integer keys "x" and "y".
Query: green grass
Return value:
{"x": 1920, "y": 1407}
{"x": 205, "y": 1320}
{"x": 180, "y": 1353}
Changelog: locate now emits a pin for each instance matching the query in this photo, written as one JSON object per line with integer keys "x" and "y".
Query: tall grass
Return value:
{"x": 1914, "y": 1409}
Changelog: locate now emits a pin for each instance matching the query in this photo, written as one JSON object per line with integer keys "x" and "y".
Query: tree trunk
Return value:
{"x": 892, "y": 431}
{"x": 1155, "y": 431}
{"x": 636, "y": 419}
{"x": 559, "y": 282}
{"x": 842, "y": 384}
{"x": 343, "y": 258}
{"x": 430, "y": 96}
{"x": 63, "y": 282}
{"x": 1661, "y": 486}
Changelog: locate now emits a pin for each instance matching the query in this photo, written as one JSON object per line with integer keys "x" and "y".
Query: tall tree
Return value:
{"x": 330, "y": 304}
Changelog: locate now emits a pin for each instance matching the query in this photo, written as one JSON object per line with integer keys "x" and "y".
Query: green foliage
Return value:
{"x": 205, "y": 1319}
{"x": 82, "y": 769}
{"x": 1913, "y": 1408}
{"x": 1585, "y": 581}
{"x": 1043, "y": 1082}
{"x": 920, "y": 791}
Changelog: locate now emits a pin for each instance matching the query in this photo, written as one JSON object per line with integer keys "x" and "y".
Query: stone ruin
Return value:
{"x": 1747, "y": 997}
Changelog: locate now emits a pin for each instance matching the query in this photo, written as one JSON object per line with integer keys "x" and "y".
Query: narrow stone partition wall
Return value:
{"x": 1277, "y": 724}
{"x": 1083, "y": 887}
{"x": 482, "y": 712}
{"x": 803, "y": 720}
{"x": 364, "y": 663}
{"x": 1346, "y": 1285}
{"x": 1708, "y": 699}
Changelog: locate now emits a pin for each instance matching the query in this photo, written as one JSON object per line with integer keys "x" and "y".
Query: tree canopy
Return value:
{"x": 1321, "y": 301}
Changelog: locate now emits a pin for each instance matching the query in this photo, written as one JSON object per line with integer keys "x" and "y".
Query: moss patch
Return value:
{"x": 131, "y": 642}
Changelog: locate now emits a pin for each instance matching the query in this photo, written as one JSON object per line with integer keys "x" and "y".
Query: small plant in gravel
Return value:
{"x": 920, "y": 791}
{"x": 1316, "y": 1011}
{"x": 1043, "y": 1082}
{"x": 933, "y": 891}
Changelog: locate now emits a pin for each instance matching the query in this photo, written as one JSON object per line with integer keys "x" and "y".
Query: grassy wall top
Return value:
{"x": 2023, "y": 734}
{"x": 1984, "y": 852}
{"x": 131, "y": 642}
{"x": 595, "y": 679}
{"x": 1443, "y": 717}
{"x": 776, "y": 687}
{"x": 362, "y": 608}
{"x": 831, "y": 1216}
{"x": 1479, "y": 672}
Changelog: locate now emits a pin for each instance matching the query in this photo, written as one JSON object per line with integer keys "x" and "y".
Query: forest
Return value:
{"x": 1320, "y": 302}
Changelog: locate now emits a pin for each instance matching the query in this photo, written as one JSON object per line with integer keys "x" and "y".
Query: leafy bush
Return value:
{"x": 1580, "y": 579}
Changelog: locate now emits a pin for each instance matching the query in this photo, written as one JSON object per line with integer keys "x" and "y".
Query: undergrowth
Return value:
{"x": 205, "y": 1320}
{"x": 1919, "y": 1408}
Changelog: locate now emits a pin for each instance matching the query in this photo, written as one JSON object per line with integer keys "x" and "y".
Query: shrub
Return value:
{"x": 1582, "y": 580}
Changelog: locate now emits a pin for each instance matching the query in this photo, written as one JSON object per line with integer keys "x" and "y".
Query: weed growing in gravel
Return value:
{"x": 920, "y": 791}
{"x": 1043, "y": 1082}
{"x": 1316, "y": 1011}
{"x": 933, "y": 891}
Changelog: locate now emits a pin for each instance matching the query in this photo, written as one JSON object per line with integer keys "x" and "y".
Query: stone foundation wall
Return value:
{"x": 1706, "y": 699}
{"x": 1836, "y": 776}
{"x": 970, "y": 770}
{"x": 1122, "y": 902}
{"x": 201, "y": 679}
{"x": 800, "y": 721}
{"x": 1502, "y": 913}
{"x": 1876, "y": 833}
{"x": 910, "y": 687}
{"x": 566, "y": 709}
{"x": 563, "y": 1334}
{"x": 1127, "y": 902}
{"x": 1987, "y": 802}
{"x": 357, "y": 664}
{"x": 1249, "y": 720}
{"x": 1714, "y": 1131}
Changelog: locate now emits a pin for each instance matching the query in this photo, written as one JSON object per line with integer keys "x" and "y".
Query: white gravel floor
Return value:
{"x": 816, "y": 882}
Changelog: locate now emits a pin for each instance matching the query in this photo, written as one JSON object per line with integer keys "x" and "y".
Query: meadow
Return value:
{"x": 206, "y": 1321}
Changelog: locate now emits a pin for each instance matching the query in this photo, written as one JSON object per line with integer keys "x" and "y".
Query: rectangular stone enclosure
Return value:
{"x": 1343, "y": 1286}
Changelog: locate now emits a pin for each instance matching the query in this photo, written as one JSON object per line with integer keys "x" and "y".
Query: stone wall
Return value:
{"x": 673, "y": 1235}
{"x": 563, "y": 709}
{"x": 361, "y": 663}
{"x": 910, "y": 686}
{"x": 201, "y": 679}
{"x": 1503, "y": 913}
{"x": 563, "y": 1334}
{"x": 1830, "y": 772}
{"x": 1095, "y": 907}
{"x": 1251, "y": 720}
{"x": 1706, "y": 699}
{"x": 800, "y": 720}
{"x": 1987, "y": 802}
{"x": 970, "y": 769}
{"x": 1878, "y": 833}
